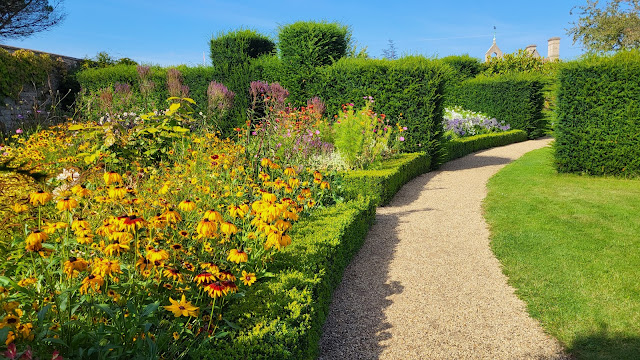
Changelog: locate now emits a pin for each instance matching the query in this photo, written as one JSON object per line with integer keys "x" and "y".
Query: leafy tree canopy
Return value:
{"x": 22, "y": 18}
{"x": 609, "y": 27}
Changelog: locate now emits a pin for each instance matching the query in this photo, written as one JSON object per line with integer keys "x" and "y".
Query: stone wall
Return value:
{"x": 32, "y": 105}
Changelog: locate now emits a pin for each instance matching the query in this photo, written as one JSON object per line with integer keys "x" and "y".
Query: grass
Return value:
{"x": 570, "y": 246}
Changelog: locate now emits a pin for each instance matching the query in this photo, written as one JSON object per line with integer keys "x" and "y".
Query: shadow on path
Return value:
{"x": 357, "y": 325}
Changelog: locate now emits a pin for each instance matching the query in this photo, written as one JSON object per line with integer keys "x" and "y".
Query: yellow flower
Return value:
{"x": 93, "y": 282}
{"x": 187, "y": 205}
{"x": 182, "y": 307}
{"x": 248, "y": 278}
{"x": 80, "y": 224}
{"x": 40, "y": 197}
{"x": 289, "y": 171}
{"x": 66, "y": 204}
{"x": 154, "y": 255}
{"x": 116, "y": 248}
{"x": 237, "y": 256}
{"x": 35, "y": 239}
{"x": 74, "y": 265}
{"x": 117, "y": 192}
{"x": 176, "y": 336}
{"x": 238, "y": 211}
{"x": 111, "y": 177}
{"x": 18, "y": 208}
{"x": 131, "y": 222}
{"x": 325, "y": 185}
{"x": 80, "y": 190}
{"x": 171, "y": 216}
{"x": 213, "y": 215}
{"x": 228, "y": 228}
{"x": 207, "y": 228}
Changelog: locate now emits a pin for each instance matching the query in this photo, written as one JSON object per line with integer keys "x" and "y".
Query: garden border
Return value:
{"x": 295, "y": 303}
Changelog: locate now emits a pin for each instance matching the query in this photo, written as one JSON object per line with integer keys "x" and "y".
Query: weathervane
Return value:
{"x": 494, "y": 33}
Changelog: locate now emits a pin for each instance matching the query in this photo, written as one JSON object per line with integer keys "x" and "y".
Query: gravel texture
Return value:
{"x": 425, "y": 284}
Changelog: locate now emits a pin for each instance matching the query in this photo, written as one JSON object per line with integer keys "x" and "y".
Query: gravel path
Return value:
{"x": 425, "y": 284}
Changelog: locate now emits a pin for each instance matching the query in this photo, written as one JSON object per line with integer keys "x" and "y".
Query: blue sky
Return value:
{"x": 178, "y": 32}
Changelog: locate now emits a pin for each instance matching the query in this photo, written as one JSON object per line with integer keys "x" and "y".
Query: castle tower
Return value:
{"x": 554, "y": 49}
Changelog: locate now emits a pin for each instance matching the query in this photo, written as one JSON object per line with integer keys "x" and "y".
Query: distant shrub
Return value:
{"x": 457, "y": 148}
{"x": 464, "y": 66}
{"x": 237, "y": 47}
{"x": 304, "y": 47}
{"x": 598, "y": 130}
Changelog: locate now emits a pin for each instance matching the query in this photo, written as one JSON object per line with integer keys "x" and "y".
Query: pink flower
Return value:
{"x": 401, "y": 138}
{"x": 57, "y": 356}
{"x": 11, "y": 352}
{"x": 404, "y": 128}
{"x": 18, "y": 131}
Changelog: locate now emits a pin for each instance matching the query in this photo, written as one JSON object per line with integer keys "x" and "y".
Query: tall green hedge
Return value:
{"x": 517, "y": 99}
{"x": 304, "y": 47}
{"x": 196, "y": 78}
{"x": 408, "y": 90}
{"x": 598, "y": 130}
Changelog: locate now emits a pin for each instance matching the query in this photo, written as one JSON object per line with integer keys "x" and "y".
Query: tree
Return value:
{"x": 612, "y": 27}
{"x": 22, "y": 18}
{"x": 390, "y": 52}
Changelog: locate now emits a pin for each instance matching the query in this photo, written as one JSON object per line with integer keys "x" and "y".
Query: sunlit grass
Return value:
{"x": 569, "y": 245}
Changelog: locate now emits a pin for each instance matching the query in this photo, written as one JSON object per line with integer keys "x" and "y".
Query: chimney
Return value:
{"x": 532, "y": 51}
{"x": 554, "y": 49}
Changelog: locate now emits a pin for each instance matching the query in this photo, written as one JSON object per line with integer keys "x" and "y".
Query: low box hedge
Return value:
{"x": 282, "y": 317}
{"x": 382, "y": 184}
{"x": 458, "y": 148}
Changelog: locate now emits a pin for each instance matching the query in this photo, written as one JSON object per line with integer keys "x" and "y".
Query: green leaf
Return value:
{"x": 189, "y": 100}
{"x": 106, "y": 309}
{"x": 150, "y": 308}
{"x": 180, "y": 129}
{"x": 76, "y": 127}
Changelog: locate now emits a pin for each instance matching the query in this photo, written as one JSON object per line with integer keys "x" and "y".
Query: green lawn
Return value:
{"x": 570, "y": 245}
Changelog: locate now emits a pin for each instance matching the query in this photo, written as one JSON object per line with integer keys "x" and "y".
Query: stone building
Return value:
{"x": 553, "y": 50}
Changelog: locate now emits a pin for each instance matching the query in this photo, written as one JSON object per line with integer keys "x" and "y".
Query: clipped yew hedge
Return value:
{"x": 598, "y": 109}
{"x": 407, "y": 90}
{"x": 517, "y": 99}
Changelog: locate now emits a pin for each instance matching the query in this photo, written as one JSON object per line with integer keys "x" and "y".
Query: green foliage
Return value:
{"x": 304, "y": 47}
{"x": 408, "y": 90}
{"x": 568, "y": 245}
{"x": 23, "y": 67}
{"x": 598, "y": 130}
{"x": 362, "y": 137}
{"x": 237, "y": 47}
{"x": 520, "y": 61}
{"x": 614, "y": 27}
{"x": 119, "y": 143}
{"x": 287, "y": 321}
{"x": 457, "y": 148}
{"x": 515, "y": 98}
{"x": 464, "y": 66}
{"x": 267, "y": 68}
{"x": 383, "y": 183}
{"x": 94, "y": 81}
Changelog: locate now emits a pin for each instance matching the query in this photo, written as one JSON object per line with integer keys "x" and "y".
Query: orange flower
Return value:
{"x": 66, "y": 204}
{"x": 111, "y": 177}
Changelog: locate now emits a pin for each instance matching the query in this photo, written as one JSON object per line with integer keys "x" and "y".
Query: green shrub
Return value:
{"x": 518, "y": 62}
{"x": 267, "y": 68}
{"x": 408, "y": 90}
{"x": 516, "y": 99}
{"x": 286, "y": 322}
{"x": 457, "y": 148}
{"x": 382, "y": 184}
{"x": 304, "y": 47}
{"x": 464, "y": 66}
{"x": 598, "y": 130}
{"x": 237, "y": 47}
